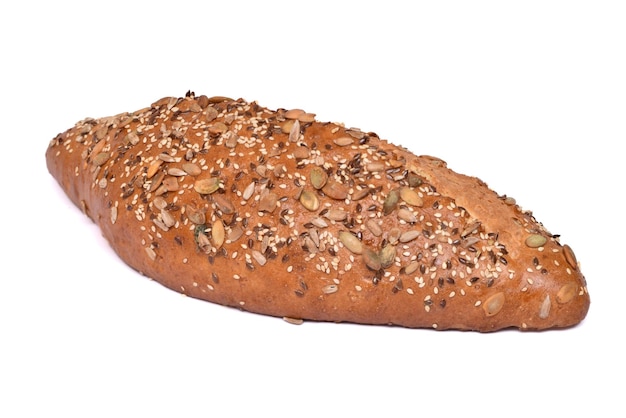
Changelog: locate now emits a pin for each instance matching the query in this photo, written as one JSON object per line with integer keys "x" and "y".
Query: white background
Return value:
{"x": 529, "y": 96}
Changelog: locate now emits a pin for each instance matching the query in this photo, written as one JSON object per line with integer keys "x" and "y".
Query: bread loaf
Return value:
{"x": 277, "y": 213}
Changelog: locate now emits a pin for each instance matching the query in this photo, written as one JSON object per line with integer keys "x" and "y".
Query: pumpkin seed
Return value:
{"x": 391, "y": 201}
{"x": 566, "y": 293}
{"x": 318, "y": 177}
{"x": 387, "y": 256}
{"x": 309, "y": 200}
{"x": 570, "y": 257}
{"x": 351, "y": 242}
{"x": 335, "y": 190}
{"x": 411, "y": 197}
{"x": 493, "y": 304}
{"x": 268, "y": 201}
{"x": 414, "y": 180}
{"x": 207, "y": 186}
{"x": 536, "y": 241}
{"x": 372, "y": 259}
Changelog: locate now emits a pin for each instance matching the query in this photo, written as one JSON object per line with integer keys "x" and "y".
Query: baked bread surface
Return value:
{"x": 277, "y": 213}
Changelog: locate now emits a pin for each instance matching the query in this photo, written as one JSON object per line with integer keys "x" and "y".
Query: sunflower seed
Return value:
{"x": 192, "y": 169}
{"x": 293, "y": 321}
{"x": 411, "y": 268}
{"x": 153, "y": 168}
{"x": 544, "y": 310}
{"x": 470, "y": 229}
{"x": 331, "y": 288}
{"x": 176, "y": 172}
{"x": 374, "y": 228}
{"x": 407, "y": 216}
{"x": 195, "y": 215}
{"x": 360, "y": 194}
{"x": 218, "y": 233}
{"x": 248, "y": 191}
{"x": 375, "y": 167}
{"x": 294, "y": 132}
{"x": 408, "y": 236}
{"x": 319, "y": 222}
{"x": 259, "y": 258}
{"x": 235, "y": 233}
{"x": 167, "y": 218}
{"x": 344, "y": 141}
{"x": 294, "y": 113}
{"x": 336, "y": 215}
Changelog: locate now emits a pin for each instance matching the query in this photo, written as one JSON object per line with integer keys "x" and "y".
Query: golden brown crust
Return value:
{"x": 276, "y": 213}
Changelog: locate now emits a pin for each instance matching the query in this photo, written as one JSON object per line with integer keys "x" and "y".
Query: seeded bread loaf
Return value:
{"x": 276, "y": 213}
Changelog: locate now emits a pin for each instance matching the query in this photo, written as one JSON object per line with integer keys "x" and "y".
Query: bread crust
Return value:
{"x": 277, "y": 213}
